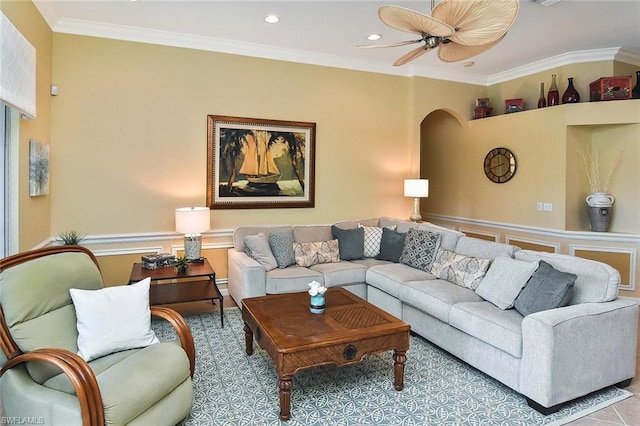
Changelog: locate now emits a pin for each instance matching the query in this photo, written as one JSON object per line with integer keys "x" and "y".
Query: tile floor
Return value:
{"x": 623, "y": 413}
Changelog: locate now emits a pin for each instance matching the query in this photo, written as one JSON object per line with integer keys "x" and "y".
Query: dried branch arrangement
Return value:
{"x": 591, "y": 159}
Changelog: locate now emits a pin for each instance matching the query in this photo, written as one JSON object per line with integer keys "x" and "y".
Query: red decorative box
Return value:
{"x": 610, "y": 88}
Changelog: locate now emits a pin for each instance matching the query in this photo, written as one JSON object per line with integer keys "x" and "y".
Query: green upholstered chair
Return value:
{"x": 44, "y": 378}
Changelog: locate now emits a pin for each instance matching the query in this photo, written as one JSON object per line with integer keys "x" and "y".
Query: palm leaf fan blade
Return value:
{"x": 453, "y": 52}
{"x": 415, "y": 53}
{"x": 408, "y": 20}
{"x": 477, "y": 22}
{"x": 396, "y": 44}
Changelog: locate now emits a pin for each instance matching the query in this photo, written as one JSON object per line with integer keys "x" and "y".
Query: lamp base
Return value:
{"x": 415, "y": 216}
{"x": 192, "y": 246}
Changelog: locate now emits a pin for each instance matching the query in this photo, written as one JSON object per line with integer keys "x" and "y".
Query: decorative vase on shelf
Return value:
{"x": 553, "y": 97}
{"x": 571, "y": 95}
{"x": 542, "y": 102}
{"x": 600, "y": 206}
{"x": 635, "y": 93}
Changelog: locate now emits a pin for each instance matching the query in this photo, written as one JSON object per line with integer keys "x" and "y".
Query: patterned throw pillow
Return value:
{"x": 420, "y": 249}
{"x": 281, "y": 243}
{"x": 372, "y": 239}
{"x": 465, "y": 271}
{"x": 308, "y": 254}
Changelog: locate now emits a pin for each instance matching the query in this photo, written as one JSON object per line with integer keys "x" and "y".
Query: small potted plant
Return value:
{"x": 70, "y": 238}
{"x": 182, "y": 264}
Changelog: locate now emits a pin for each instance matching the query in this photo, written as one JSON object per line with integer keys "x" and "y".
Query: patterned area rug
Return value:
{"x": 232, "y": 388}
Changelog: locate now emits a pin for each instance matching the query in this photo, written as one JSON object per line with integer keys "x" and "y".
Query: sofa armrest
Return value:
{"x": 247, "y": 278}
{"x": 571, "y": 351}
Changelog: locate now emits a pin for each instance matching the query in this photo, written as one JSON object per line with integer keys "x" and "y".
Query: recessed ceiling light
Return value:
{"x": 374, "y": 37}
{"x": 271, "y": 19}
{"x": 469, "y": 64}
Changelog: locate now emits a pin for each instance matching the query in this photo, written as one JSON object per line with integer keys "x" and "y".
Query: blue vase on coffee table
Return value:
{"x": 317, "y": 304}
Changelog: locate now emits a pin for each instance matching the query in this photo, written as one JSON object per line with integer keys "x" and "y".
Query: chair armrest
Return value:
{"x": 182, "y": 329}
{"x": 80, "y": 375}
{"x": 571, "y": 351}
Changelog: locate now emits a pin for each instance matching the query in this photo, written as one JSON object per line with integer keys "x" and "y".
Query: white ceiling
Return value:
{"x": 325, "y": 32}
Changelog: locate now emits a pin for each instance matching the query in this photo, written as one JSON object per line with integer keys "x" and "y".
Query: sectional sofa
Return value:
{"x": 550, "y": 326}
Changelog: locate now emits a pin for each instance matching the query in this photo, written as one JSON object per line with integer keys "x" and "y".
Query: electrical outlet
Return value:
{"x": 547, "y": 207}
{"x": 539, "y": 206}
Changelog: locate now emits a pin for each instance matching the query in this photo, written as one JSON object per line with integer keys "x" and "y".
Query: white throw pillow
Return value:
{"x": 113, "y": 319}
{"x": 504, "y": 280}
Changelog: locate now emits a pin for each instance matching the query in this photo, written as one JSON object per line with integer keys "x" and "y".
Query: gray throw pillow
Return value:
{"x": 391, "y": 245}
{"x": 350, "y": 242}
{"x": 257, "y": 247}
{"x": 281, "y": 243}
{"x": 547, "y": 288}
{"x": 504, "y": 280}
{"x": 420, "y": 249}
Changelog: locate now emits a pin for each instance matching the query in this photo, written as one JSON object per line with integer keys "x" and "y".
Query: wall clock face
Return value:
{"x": 499, "y": 165}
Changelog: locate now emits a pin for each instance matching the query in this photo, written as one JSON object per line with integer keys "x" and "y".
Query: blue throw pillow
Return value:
{"x": 391, "y": 245}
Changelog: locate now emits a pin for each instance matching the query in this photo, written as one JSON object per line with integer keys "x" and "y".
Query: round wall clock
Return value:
{"x": 500, "y": 165}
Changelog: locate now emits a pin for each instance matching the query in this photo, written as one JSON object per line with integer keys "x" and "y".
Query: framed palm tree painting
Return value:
{"x": 258, "y": 163}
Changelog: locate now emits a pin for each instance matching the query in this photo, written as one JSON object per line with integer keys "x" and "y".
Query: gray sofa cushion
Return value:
{"x": 547, "y": 288}
{"x": 293, "y": 278}
{"x": 487, "y": 322}
{"x": 389, "y": 277}
{"x": 596, "y": 282}
{"x": 312, "y": 234}
{"x": 435, "y": 296}
{"x": 281, "y": 243}
{"x": 449, "y": 237}
{"x": 470, "y": 246}
{"x": 350, "y": 241}
{"x": 340, "y": 273}
{"x": 242, "y": 231}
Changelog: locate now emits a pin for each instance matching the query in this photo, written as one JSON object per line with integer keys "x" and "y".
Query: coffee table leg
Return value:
{"x": 284, "y": 383}
{"x": 248, "y": 340}
{"x": 399, "y": 358}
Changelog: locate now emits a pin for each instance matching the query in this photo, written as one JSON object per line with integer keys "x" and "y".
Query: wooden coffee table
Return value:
{"x": 295, "y": 339}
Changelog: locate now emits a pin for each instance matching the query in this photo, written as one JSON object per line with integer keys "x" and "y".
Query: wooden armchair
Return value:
{"x": 42, "y": 374}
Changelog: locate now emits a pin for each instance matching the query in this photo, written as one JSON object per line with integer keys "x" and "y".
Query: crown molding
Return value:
{"x": 189, "y": 41}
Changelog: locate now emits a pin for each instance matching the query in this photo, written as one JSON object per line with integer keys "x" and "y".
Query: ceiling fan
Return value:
{"x": 459, "y": 29}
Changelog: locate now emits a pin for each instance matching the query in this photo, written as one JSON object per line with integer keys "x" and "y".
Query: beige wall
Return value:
{"x": 34, "y": 212}
{"x": 130, "y": 125}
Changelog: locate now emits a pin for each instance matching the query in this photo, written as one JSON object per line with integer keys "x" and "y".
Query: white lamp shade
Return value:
{"x": 193, "y": 220}
{"x": 416, "y": 188}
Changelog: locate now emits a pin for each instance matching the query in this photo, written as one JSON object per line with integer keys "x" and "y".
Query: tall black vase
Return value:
{"x": 635, "y": 94}
{"x": 571, "y": 95}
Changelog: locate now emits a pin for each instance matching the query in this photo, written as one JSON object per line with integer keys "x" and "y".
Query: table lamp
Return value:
{"x": 191, "y": 221}
{"x": 416, "y": 188}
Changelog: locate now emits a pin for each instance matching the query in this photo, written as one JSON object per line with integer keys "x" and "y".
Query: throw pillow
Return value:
{"x": 391, "y": 245}
{"x": 420, "y": 248}
{"x": 504, "y": 280}
{"x": 282, "y": 247}
{"x": 257, "y": 247}
{"x": 372, "y": 239}
{"x": 309, "y": 254}
{"x": 113, "y": 319}
{"x": 548, "y": 288}
{"x": 465, "y": 271}
{"x": 350, "y": 242}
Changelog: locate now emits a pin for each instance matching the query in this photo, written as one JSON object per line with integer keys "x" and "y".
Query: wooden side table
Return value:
{"x": 197, "y": 283}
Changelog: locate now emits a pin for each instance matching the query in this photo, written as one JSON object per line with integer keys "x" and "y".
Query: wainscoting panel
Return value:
{"x": 624, "y": 260}
{"x": 530, "y": 244}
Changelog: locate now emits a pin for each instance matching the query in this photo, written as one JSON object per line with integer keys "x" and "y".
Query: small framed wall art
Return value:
{"x": 38, "y": 168}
